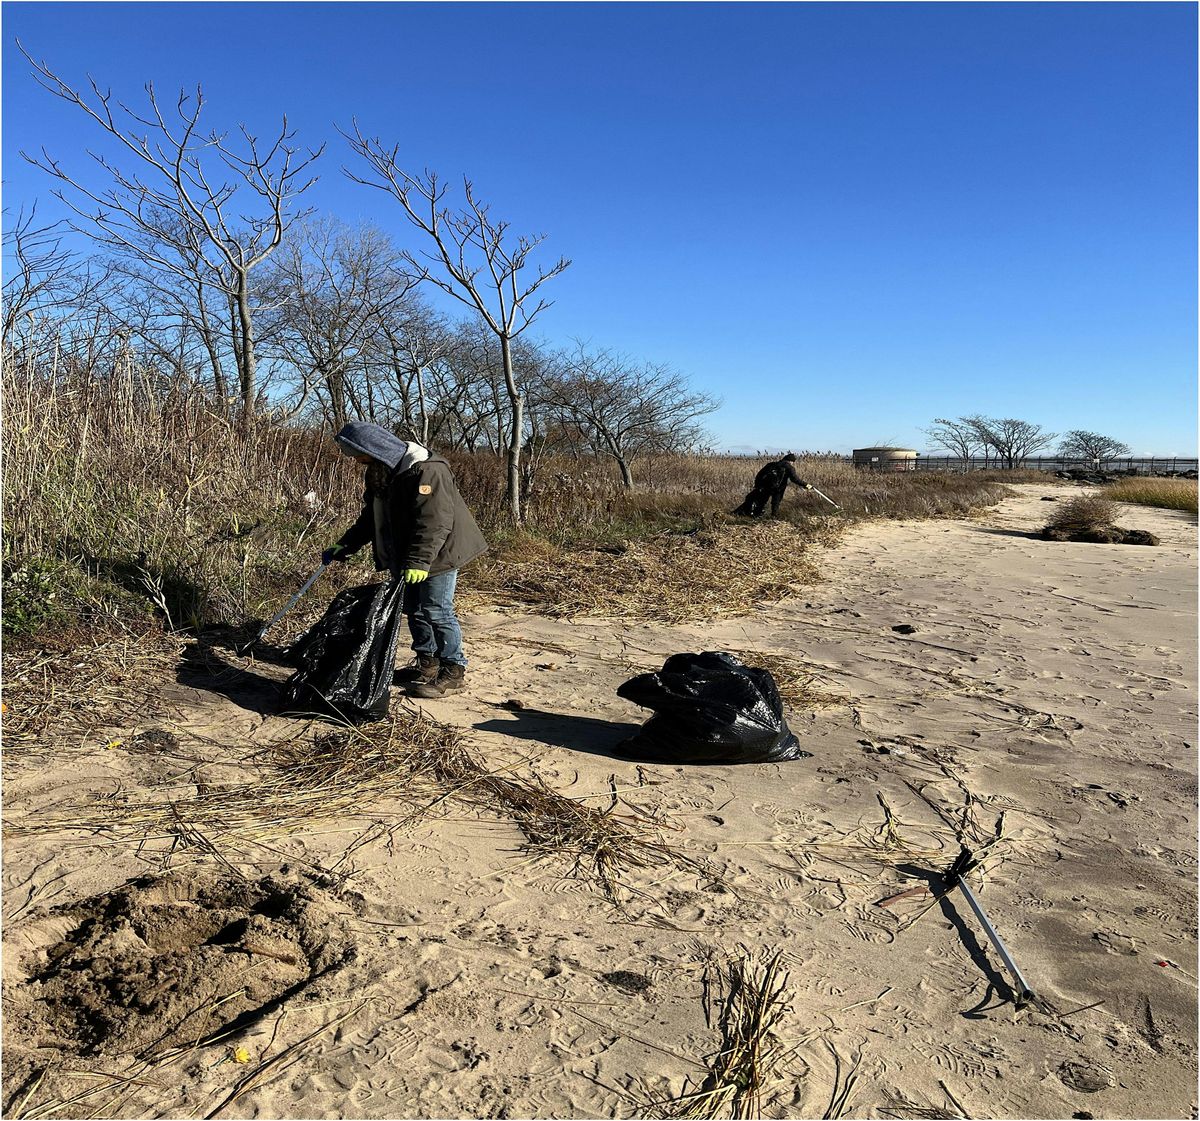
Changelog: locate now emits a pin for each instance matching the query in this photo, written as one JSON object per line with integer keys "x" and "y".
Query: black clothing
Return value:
{"x": 769, "y": 486}
{"x": 425, "y": 523}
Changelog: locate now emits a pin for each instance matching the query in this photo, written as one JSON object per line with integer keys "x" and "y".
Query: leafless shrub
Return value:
{"x": 1084, "y": 513}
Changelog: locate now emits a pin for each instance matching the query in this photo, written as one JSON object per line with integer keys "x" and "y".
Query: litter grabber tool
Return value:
{"x": 953, "y": 877}
{"x": 242, "y": 650}
{"x": 827, "y": 499}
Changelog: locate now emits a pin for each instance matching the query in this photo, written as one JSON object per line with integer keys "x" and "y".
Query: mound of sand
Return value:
{"x": 165, "y": 962}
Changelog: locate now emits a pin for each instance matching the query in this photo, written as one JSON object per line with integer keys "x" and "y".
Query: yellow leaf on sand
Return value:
{"x": 113, "y": 743}
{"x": 241, "y": 1055}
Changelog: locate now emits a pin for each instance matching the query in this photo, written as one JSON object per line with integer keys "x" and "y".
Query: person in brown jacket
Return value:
{"x": 421, "y": 532}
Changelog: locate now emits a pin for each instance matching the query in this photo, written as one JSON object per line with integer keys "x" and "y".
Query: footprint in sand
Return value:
{"x": 1085, "y": 1076}
{"x": 1114, "y": 943}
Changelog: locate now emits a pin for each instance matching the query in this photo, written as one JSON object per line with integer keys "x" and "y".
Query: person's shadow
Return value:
{"x": 578, "y": 733}
{"x": 203, "y": 667}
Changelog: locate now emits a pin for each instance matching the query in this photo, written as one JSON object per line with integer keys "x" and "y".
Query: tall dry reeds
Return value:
{"x": 148, "y": 487}
{"x": 1168, "y": 494}
{"x": 126, "y": 489}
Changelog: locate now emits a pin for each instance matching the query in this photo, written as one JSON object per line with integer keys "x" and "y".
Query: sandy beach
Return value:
{"x": 1048, "y": 691}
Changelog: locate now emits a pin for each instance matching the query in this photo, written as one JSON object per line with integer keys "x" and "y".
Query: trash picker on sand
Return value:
{"x": 953, "y": 877}
{"x": 242, "y": 650}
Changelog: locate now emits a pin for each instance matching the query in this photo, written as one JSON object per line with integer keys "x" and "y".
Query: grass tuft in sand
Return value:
{"x": 752, "y": 999}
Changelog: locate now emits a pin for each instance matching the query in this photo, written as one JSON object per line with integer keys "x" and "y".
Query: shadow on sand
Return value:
{"x": 203, "y": 667}
{"x": 997, "y": 984}
{"x": 1031, "y": 535}
{"x": 558, "y": 729}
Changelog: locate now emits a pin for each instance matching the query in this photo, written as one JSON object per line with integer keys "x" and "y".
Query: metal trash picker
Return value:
{"x": 953, "y": 877}
{"x": 827, "y": 498}
{"x": 242, "y": 650}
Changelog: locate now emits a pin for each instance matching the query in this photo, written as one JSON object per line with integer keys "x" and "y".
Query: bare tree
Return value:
{"x": 334, "y": 286}
{"x": 1090, "y": 446}
{"x": 477, "y": 260}
{"x": 417, "y": 339}
{"x": 625, "y": 410}
{"x": 1012, "y": 440}
{"x": 957, "y": 437}
{"x": 177, "y": 205}
{"x": 41, "y": 277}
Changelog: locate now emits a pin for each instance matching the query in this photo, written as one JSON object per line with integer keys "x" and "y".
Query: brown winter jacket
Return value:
{"x": 428, "y": 524}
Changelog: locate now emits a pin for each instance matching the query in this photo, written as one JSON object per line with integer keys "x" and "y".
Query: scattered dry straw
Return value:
{"x": 62, "y": 691}
{"x": 389, "y": 773}
{"x": 719, "y": 569}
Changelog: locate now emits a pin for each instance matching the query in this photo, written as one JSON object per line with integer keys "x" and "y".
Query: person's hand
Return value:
{"x": 333, "y": 553}
{"x": 415, "y": 575}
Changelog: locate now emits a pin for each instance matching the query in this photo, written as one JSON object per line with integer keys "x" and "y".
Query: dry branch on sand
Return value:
{"x": 719, "y": 569}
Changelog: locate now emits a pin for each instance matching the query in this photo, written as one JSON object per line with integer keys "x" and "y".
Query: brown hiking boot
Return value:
{"x": 422, "y": 670}
{"x": 450, "y": 679}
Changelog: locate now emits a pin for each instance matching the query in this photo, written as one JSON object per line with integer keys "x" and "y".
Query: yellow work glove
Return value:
{"x": 415, "y": 576}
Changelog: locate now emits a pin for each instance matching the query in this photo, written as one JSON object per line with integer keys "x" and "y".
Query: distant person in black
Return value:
{"x": 770, "y": 484}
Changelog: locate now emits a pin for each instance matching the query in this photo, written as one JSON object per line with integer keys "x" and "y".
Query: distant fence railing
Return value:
{"x": 1142, "y": 465}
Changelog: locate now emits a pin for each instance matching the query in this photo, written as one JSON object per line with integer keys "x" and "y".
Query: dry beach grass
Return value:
{"x": 1168, "y": 494}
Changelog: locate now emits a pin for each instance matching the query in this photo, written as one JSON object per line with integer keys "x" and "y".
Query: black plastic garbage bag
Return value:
{"x": 346, "y": 660}
{"x": 709, "y": 708}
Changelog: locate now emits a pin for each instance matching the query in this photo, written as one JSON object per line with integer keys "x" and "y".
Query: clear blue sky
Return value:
{"x": 843, "y": 219}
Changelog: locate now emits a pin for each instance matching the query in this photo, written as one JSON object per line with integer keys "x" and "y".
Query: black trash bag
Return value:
{"x": 709, "y": 708}
{"x": 346, "y": 661}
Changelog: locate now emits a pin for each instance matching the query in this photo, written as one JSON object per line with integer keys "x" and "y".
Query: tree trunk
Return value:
{"x": 335, "y": 382}
{"x": 214, "y": 355}
{"x": 517, "y": 403}
{"x": 424, "y": 441}
{"x": 246, "y": 359}
{"x": 627, "y": 475}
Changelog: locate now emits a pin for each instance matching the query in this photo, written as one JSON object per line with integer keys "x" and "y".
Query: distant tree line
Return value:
{"x": 1010, "y": 441}
{"x": 208, "y": 272}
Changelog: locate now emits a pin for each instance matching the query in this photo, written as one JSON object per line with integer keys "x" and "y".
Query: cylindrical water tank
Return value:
{"x": 885, "y": 459}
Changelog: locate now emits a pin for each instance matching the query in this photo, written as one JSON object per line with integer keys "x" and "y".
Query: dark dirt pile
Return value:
{"x": 163, "y": 963}
{"x": 1105, "y": 535}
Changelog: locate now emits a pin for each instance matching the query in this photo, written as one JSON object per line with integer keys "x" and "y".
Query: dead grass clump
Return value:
{"x": 798, "y": 684}
{"x": 719, "y": 569}
{"x": 1168, "y": 494}
{"x": 64, "y": 689}
{"x": 1085, "y": 513}
{"x": 751, "y": 992}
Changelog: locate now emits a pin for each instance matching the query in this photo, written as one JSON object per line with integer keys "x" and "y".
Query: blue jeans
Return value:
{"x": 430, "y": 610}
